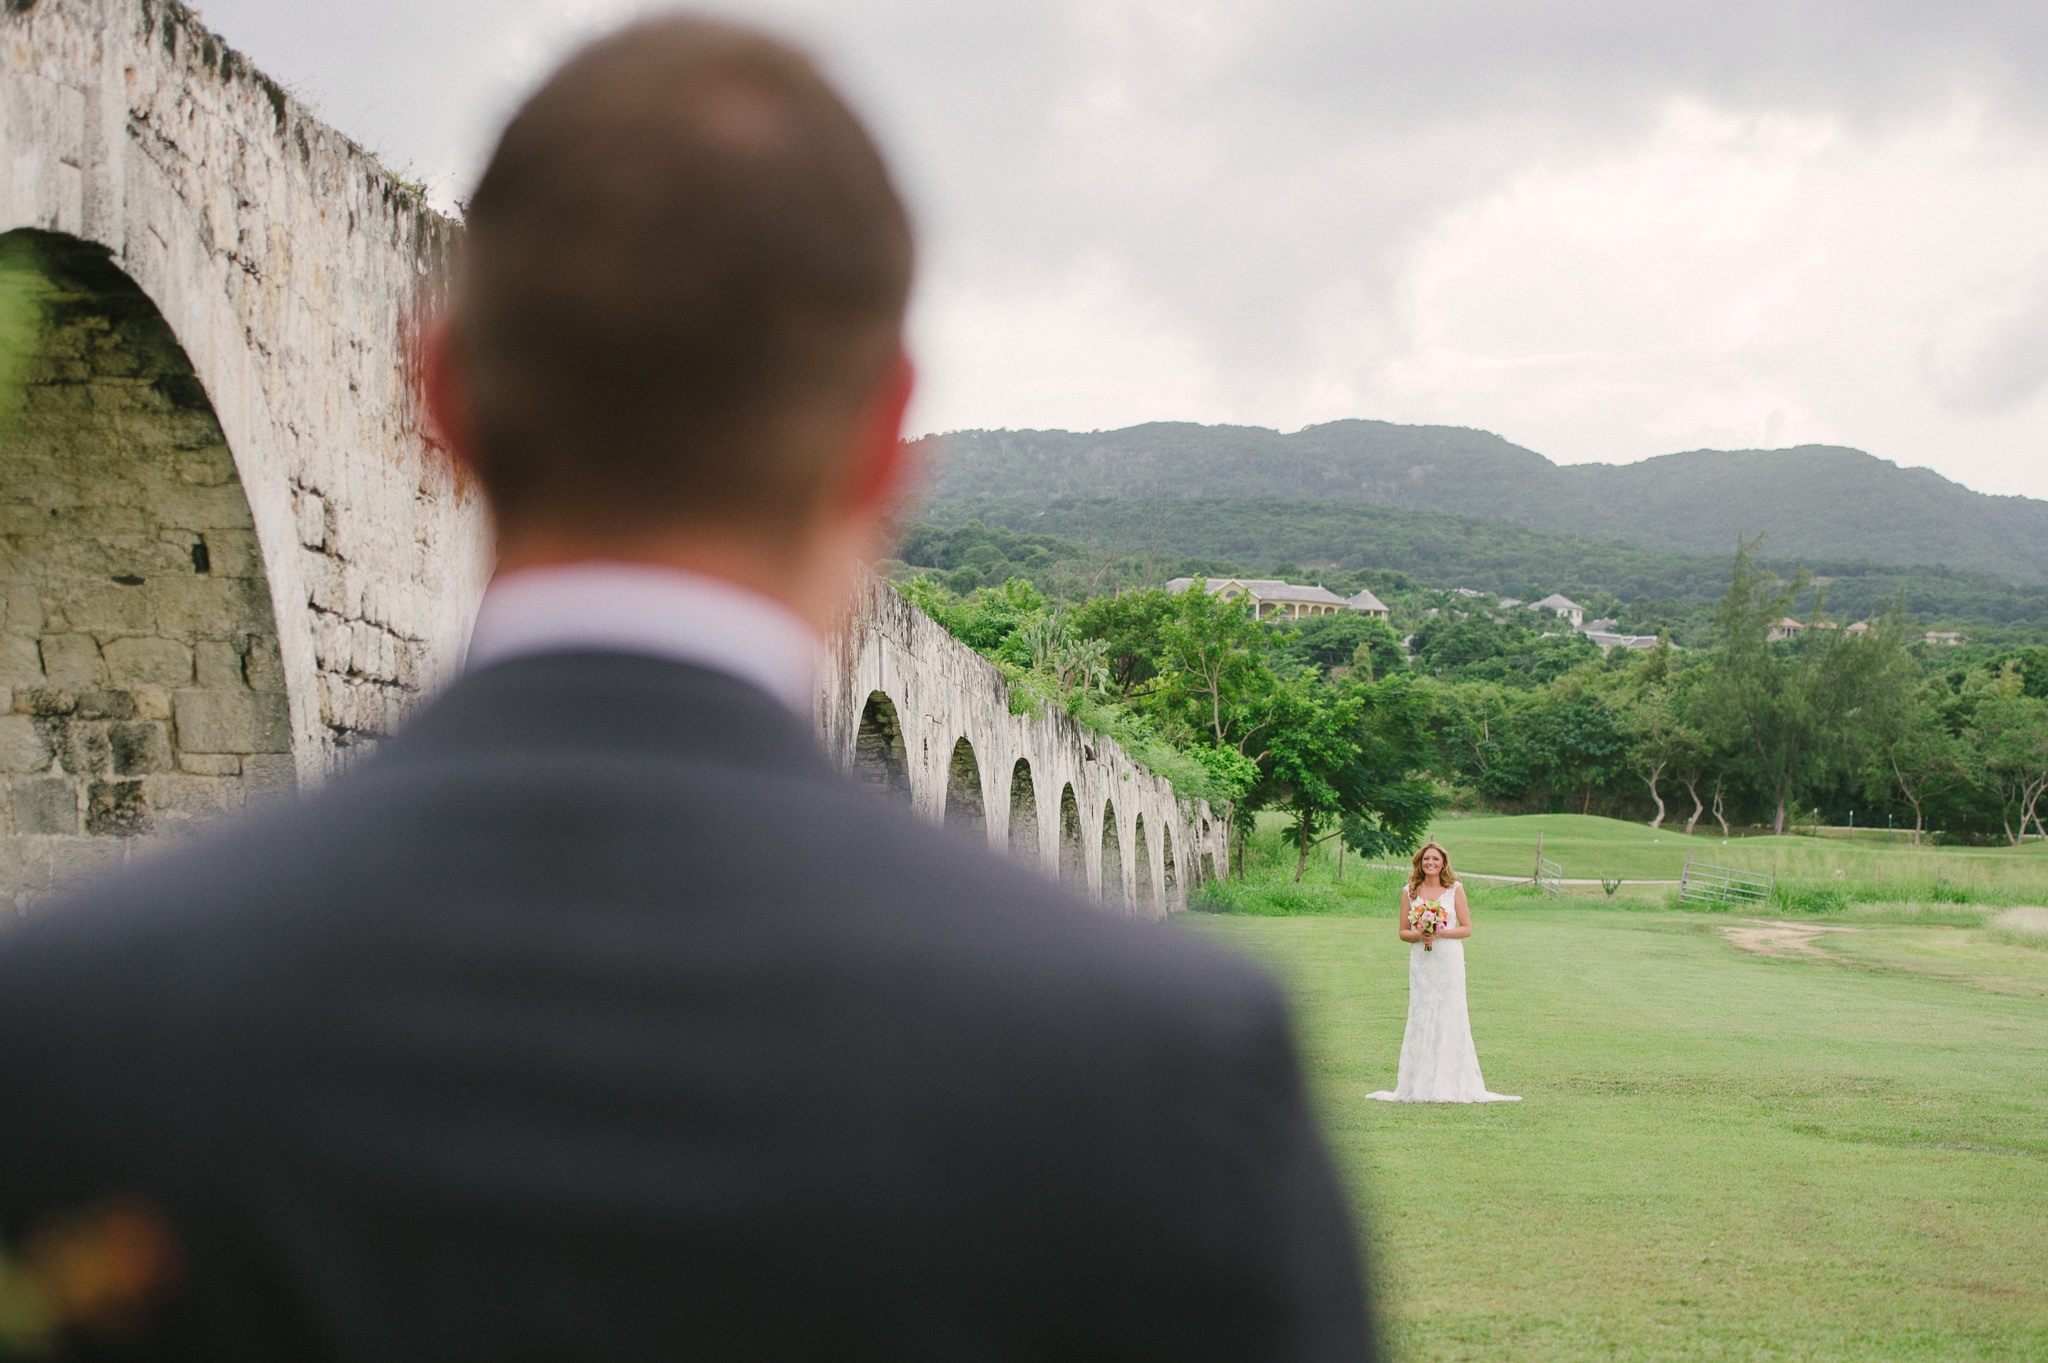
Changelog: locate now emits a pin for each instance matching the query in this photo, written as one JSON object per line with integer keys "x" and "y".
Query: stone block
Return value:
{"x": 151, "y": 702}
{"x": 219, "y": 664}
{"x": 140, "y": 747}
{"x": 72, "y": 662}
{"x": 105, "y": 705}
{"x": 311, "y": 511}
{"x": 179, "y": 798}
{"x": 44, "y": 700}
{"x": 232, "y": 722}
{"x": 262, "y": 667}
{"x": 83, "y": 748}
{"x": 25, "y": 744}
{"x": 269, "y": 775}
{"x": 210, "y": 763}
{"x": 76, "y": 861}
{"x": 43, "y": 804}
{"x": 233, "y": 553}
{"x": 25, "y": 870}
{"x": 211, "y": 468}
{"x": 21, "y": 660}
{"x": 197, "y": 506}
{"x": 147, "y": 661}
{"x": 199, "y": 605}
{"x": 116, "y": 809}
{"x": 104, "y": 607}
{"x": 21, "y": 610}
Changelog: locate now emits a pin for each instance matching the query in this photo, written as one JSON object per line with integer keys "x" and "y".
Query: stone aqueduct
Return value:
{"x": 228, "y": 553}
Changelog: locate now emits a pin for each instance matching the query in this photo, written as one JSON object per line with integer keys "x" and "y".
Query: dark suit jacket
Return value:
{"x": 598, "y": 1017}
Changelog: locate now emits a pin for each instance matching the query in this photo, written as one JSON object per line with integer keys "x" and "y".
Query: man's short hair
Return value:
{"x": 683, "y": 272}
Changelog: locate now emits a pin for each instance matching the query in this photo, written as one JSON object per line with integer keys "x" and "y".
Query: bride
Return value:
{"x": 1438, "y": 1062}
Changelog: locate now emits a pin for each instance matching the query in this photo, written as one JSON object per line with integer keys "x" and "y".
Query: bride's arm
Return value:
{"x": 1408, "y": 934}
{"x": 1463, "y": 927}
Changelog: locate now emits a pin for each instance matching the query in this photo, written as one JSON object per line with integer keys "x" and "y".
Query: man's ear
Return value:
{"x": 446, "y": 392}
{"x": 881, "y": 464}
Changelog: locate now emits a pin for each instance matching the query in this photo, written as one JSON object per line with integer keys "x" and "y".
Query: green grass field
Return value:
{"x": 1836, "y": 1152}
{"x": 1590, "y": 848}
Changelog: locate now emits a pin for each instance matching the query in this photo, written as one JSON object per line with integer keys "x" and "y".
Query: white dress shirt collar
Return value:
{"x": 654, "y": 612}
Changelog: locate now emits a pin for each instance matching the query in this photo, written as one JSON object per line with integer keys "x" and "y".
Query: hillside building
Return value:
{"x": 1273, "y": 599}
{"x": 1561, "y": 605}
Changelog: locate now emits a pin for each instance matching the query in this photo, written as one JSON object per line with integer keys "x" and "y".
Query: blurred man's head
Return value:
{"x": 679, "y": 305}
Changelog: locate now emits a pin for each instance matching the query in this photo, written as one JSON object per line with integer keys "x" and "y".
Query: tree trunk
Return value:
{"x": 1778, "y": 821}
{"x": 1651, "y": 782}
{"x": 1719, "y": 816}
{"x": 1301, "y": 861}
{"x": 1692, "y": 788}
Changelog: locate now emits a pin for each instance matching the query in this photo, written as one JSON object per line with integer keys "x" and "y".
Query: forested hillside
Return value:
{"x": 1153, "y": 540}
{"x": 1816, "y": 502}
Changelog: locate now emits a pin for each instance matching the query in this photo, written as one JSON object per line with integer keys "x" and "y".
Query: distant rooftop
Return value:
{"x": 1273, "y": 589}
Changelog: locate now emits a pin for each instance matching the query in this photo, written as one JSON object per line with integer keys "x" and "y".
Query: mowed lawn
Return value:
{"x": 1590, "y": 847}
{"x": 1719, "y": 1155}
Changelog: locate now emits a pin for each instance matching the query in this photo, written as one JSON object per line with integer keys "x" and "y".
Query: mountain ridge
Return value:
{"x": 1819, "y": 501}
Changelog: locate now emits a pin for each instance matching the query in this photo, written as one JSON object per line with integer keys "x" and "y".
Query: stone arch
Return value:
{"x": 137, "y": 633}
{"x": 1024, "y": 839}
{"x": 1170, "y": 889}
{"x": 1073, "y": 864}
{"x": 1112, "y": 860}
{"x": 1146, "y": 901}
{"x": 965, "y": 806}
{"x": 879, "y": 757}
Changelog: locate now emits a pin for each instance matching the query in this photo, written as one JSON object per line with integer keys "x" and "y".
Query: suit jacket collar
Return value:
{"x": 620, "y": 704}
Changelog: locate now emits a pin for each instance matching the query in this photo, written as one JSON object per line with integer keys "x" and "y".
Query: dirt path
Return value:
{"x": 1770, "y": 938}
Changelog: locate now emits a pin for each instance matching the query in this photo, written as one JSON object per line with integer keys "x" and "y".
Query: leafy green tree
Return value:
{"x": 1910, "y": 748}
{"x": 1660, "y": 742}
{"x": 1791, "y": 704}
{"x": 1476, "y": 727}
{"x": 1578, "y": 747}
{"x": 1349, "y": 761}
{"x": 2010, "y": 736}
{"x": 1129, "y": 625}
{"x": 1392, "y": 800}
{"x": 1216, "y": 680}
{"x": 1332, "y": 642}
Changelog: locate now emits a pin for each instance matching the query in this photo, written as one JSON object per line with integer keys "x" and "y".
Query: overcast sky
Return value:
{"x": 1605, "y": 229}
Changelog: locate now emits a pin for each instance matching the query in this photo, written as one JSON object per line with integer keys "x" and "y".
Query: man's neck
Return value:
{"x": 811, "y": 576}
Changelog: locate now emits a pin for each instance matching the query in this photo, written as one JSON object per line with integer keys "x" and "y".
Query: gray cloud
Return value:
{"x": 1257, "y": 178}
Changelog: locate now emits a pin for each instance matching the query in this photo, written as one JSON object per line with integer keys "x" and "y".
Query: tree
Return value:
{"x": 1912, "y": 750}
{"x": 1659, "y": 740}
{"x": 1348, "y": 760}
{"x": 1129, "y": 626}
{"x": 1215, "y": 677}
{"x": 1790, "y": 703}
{"x": 2011, "y": 739}
{"x": 1332, "y": 642}
{"x": 1575, "y": 743}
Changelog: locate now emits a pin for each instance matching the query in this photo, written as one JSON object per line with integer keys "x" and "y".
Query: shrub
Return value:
{"x": 1809, "y": 897}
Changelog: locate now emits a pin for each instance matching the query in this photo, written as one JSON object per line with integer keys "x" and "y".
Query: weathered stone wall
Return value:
{"x": 287, "y": 263}
{"x": 140, "y": 682}
{"x": 232, "y": 555}
{"x": 1128, "y": 837}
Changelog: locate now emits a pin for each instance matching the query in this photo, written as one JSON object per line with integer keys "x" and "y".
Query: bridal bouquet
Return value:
{"x": 1428, "y": 919}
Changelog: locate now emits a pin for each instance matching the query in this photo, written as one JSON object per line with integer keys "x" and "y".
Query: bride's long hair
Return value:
{"x": 1415, "y": 876}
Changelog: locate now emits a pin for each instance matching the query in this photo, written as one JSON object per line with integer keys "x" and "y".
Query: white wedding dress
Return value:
{"x": 1439, "y": 1064}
